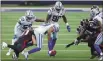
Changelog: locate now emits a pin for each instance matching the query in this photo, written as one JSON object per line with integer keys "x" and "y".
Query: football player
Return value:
{"x": 24, "y": 23}
{"x": 94, "y": 11}
{"x": 54, "y": 14}
{"x": 26, "y": 37}
{"x": 37, "y": 38}
{"x": 39, "y": 33}
{"x": 99, "y": 39}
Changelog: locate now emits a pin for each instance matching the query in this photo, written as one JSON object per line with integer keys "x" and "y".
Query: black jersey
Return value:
{"x": 26, "y": 37}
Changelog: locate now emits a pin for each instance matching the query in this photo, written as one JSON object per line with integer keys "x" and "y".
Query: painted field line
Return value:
{"x": 58, "y": 34}
{"x": 51, "y": 58}
{"x": 60, "y": 29}
{"x": 60, "y": 50}
{"x": 65, "y": 44}
{"x": 69, "y": 39}
{"x": 60, "y": 26}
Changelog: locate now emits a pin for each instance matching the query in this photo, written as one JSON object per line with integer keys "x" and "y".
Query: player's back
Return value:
{"x": 26, "y": 36}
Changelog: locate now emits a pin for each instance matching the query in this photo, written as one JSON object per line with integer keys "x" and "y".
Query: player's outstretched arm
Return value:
{"x": 39, "y": 20}
{"x": 65, "y": 20}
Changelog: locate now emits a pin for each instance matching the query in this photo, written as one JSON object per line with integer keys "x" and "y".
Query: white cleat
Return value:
{"x": 26, "y": 55}
{"x": 101, "y": 58}
{"x": 4, "y": 45}
{"x": 8, "y": 53}
{"x": 14, "y": 57}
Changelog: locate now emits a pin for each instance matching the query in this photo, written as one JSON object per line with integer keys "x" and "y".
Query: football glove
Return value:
{"x": 68, "y": 28}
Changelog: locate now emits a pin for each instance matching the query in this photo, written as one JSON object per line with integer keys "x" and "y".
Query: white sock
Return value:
{"x": 11, "y": 44}
{"x": 101, "y": 53}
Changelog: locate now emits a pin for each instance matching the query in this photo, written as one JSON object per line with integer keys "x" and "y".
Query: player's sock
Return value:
{"x": 53, "y": 42}
{"x": 34, "y": 50}
{"x": 97, "y": 48}
{"x": 10, "y": 50}
{"x": 50, "y": 44}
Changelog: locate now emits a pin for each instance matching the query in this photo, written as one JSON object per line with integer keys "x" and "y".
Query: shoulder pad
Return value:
{"x": 50, "y": 10}
{"x": 23, "y": 18}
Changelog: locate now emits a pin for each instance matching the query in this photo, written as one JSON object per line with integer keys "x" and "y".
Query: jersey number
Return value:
{"x": 26, "y": 26}
{"x": 55, "y": 18}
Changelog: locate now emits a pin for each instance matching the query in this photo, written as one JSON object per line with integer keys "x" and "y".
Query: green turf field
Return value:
{"x": 78, "y": 53}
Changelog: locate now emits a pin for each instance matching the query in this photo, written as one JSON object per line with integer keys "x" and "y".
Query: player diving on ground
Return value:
{"x": 35, "y": 35}
{"x": 23, "y": 23}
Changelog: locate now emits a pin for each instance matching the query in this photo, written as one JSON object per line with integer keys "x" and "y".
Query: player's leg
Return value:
{"x": 52, "y": 39}
{"x": 39, "y": 40}
{"x": 14, "y": 47}
{"x": 17, "y": 33}
{"x": 97, "y": 43}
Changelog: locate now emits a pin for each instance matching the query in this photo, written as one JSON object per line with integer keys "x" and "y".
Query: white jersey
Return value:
{"x": 55, "y": 15}
{"x": 21, "y": 25}
{"x": 99, "y": 17}
{"x": 24, "y": 23}
{"x": 40, "y": 32}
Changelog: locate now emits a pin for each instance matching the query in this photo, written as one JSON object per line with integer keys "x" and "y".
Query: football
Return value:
{"x": 52, "y": 52}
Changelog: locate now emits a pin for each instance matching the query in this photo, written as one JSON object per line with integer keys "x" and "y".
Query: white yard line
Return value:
{"x": 61, "y": 50}
{"x": 38, "y": 25}
{"x": 7, "y": 8}
{"x": 58, "y": 34}
{"x": 65, "y": 44}
{"x": 52, "y": 58}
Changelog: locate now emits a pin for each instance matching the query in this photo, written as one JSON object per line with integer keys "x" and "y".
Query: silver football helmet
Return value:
{"x": 29, "y": 14}
{"x": 58, "y": 6}
{"x": 95, "y": 9}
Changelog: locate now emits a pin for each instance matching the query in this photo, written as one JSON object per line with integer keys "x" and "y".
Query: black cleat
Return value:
{"x": 69, "y": 45}
{"x": 93, "y": 56}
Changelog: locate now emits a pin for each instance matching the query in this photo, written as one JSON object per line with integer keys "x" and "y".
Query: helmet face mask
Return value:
{"x": 29, "y": 15}
{"x": 29, "y": 18}
{"x": 58, "y": 6}
{"x": 95, "y": 11}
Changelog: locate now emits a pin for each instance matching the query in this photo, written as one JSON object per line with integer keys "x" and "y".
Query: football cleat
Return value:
{"x": 4, "y": 45}
{"x": 14, "y": 57}
{"x": 8, "y": 53}
{"x": 26, "y": 55}
{"x": 69, "y": 45}
{"x": 52, "y": 53}
{"x": 101, "y": 58}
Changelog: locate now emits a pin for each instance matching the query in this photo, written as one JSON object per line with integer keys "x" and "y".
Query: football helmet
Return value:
{"x": 95, "y": 9}
{"x": 29, "y": 14}
{"x": 58, "y": 6}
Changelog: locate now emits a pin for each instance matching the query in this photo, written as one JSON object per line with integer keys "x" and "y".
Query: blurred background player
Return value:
{"x": 54, "y": 14}
{"x": 99, "y": 39}
{"x": 94, "y": 11}
{"x": 21, "y": 43}
{"x": 24, "y": 23}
